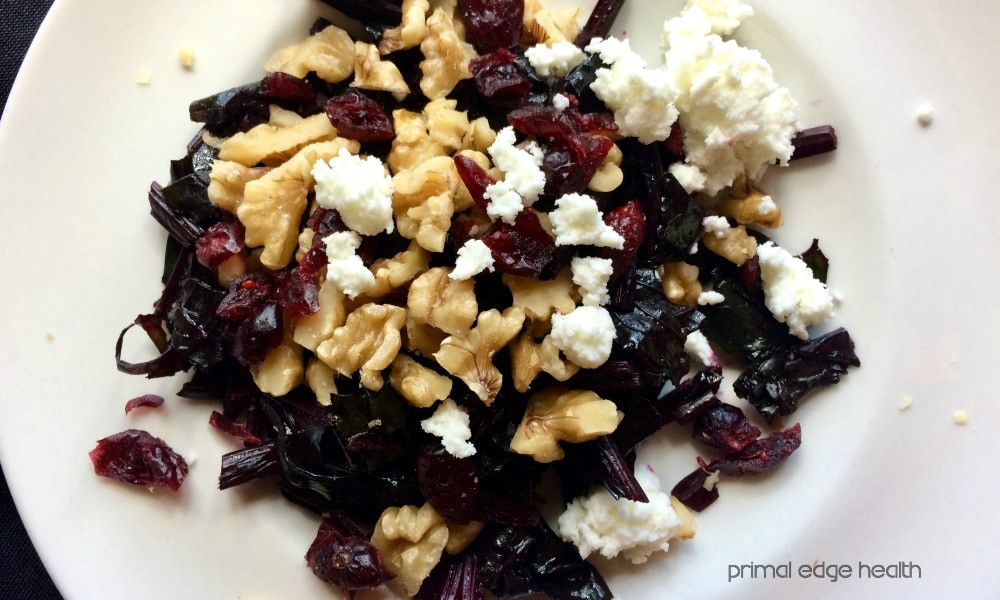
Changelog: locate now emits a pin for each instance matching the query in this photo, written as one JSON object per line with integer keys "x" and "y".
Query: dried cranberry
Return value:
{"x": 475, "y": 178}
{"x": 283, "y": 86}
{"x": 231, "y": 427}
{"x": 629, "y": 221}
{"x": 761, "y": 455}
{"x": 675, "y": 141}
{"x": 147, "y": 401}
{"x": 359, "y": 117}
{"x": 324, "y": 221}
{"x": 247, "y": 296}
{"x": 725, "y": 426}
{"x": 498, "y": 74}
{"x": 492, "y": 24}
{"x": 343, "y": 556}
{"x": 220, "y": 242}
{"x": 450, "y": 484}
{"x": 523, "y": 248}
{"x": 296, "y": 293}
{"x": 543, "y": 121}
{"x": 134, "y": 456}
{"x": 256, "y": 336}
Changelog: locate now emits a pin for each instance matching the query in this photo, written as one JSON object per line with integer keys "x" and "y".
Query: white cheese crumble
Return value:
{"x": 505, "y": 203}
{"x": 906, "y": 403}
{"x": 640, "y": 98}
{"x": 599, "y": 523}
{"x": 715, "y": 225}
{"x": 710, "y": 298}
{"x": 925, "y": 114}
{"x": 344, "y": 267}
{"x": 450, "y": 422}
{"x": 576, "y": 220}
{"x": 736, "y": 119}
{"x": 359, "y": 189}
{"x": 767, "y": 206}
{"x": 689, "y": 176}
{"x": 144, "y": 76}
{"x": 473, "y": 258}
{"x": 711, "y": 481}
{"x": 556, "y": 60}
{"x": 521, "y": 167}
{"x": 584, "y": 335}
{"x": 791, "y": 292}
{"x": 591, "y": 275}
{"x": 185, "y": 56}
{"x": 698, "y": 348}
{"x": 560, "y": 102}
{"x": 960, "y": 417}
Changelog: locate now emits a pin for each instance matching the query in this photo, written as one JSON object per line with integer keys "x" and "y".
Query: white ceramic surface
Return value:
{"x": 906, "y": 213}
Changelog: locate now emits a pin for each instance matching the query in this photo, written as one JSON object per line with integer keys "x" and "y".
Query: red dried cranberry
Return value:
{"x": 595, "y": 122}
{"x": 134, "y": 456}
{"x": 629, "y": 221}
{"x": 220, "y": 242}
{"x": 283, "y": 86}
{"x": 492, "y": 24}
{"x": 524, "y": 248}
{"x": 675, "y": 141}
{"x": 497, "y": 74}
{"x": 450, "y": 484}
{"x": 247, "y": 296}
{"x": 725, "y": 426}
{"x": 314, "y": 260}
{"x": 231, "y": 427}
{"x": 147, "y": 401}
{"x": 465, "y": 228}
{"x": 543, "y": 121}
{"x": 324, "y": 221}
{"x": 359, "y": 117}
{"x": 475, "y": 178}
{"x": 343, "y": 556}
{"x": 296, "y": 293}
{"x": 761, "y": 455}
{"x": 570, "y": 163}
{"x": 256, "y": 337}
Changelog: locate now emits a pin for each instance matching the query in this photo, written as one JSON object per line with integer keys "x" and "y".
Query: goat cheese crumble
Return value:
{"x": 576, "y": 220}
{"x": 472, "y": 258}
{"x": 345, "y": 268}
{"x": 556, "y": 60}
{"x": 791, "y": 293}
{"x": 591, "y": 274}
{"x": 450, "y": 422}
{"x": 523, "y": 179}
{"x": 359, "y": 189}
{"x": 584, "y": 335}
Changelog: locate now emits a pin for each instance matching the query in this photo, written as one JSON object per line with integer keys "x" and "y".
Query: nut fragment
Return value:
{"x": 680, "y": 283}
{"x": 413, "y": 144}
{"x": 272, "y": 206}
{"x": 446, "y": 56}
{"x": 368, "y": 341}
{"x": 419, "y": 385}
{"x": 423, "y": 339}
{"x": 445, "y": 303}
{"x": 330, "y": 53}
{"x": 460, "y": 536}
{"x": 529, "y": 358}
{"x": 310, "y": 330}
{"x": 446, "y": 125}
{"x": 411, "y": 30}
{"x": 227, "y": 182}
{"x": 410, "y": 541}
{"x": 480, "y": 136}
{"x": 470, "y": 356}
{"x": 273, "y": 144}
{"x": 548, "y": 26}
{"x": 397, "y": 271}
{"x": 558, "y": 413}
{"x": 732, "y": 243}
{"x": 281, "y": 371}
{"x": 609, "y": 174}
{"x": 373, "y": 73}
{"x": 751, "y": 206}
{"x": 320, "y": 378}
{"x": 540, "y": 299}
{"x": 688, "y": 528}
{"x": 423, "y": 201}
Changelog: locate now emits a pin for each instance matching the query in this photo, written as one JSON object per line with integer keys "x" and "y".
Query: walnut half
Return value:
{"x": 558, "y": 413}
{"x": 368, "y": 341}
{"x": 410, "y": 541}
{"x": 470, "y": 356}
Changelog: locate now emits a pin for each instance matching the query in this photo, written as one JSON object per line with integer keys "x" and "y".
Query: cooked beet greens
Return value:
{"x": 364, "y": 451}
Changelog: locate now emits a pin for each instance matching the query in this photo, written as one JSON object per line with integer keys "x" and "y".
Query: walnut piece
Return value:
{"x": 330, "y": 53}
{"x": 680, "y": 283}
{"x": 273, "y": 144}
{"x": 281, "y": 371}
{"x": 422, "y": 338}
{"x": 548, "y": 26}
{"x": 373, "y": 73}
{"x": 445, "y": 303}
{"x": 446, "y": 56}
{"x": 397, "y": 271}
{"x": 529, "y": 358}
{"x": 540, "y": 299}
{"x": 734, "y": 244}
{"x": 410, "y": 541}
{"x": 609, "y": 174}
{"x": 479, "y": 136}
{"x": 687, "y": 528}
{"x": 227, "y": 181}
{"x": 558, "y": 413}
{"x": 413, "y": 144}
{"x": 446, "y": 125}
{"x": 423, "y": 201}
{"x": 419, "y": 385}
{"x": 272, "y": 206}
{"x": 470, "y": 356}
{"x": 368, "y": 341}
{"x": 460, "y": 536}
{"x": 751, "y": 207}
{"x": 411, "y": 30}
{"x": 310, "y": 330}
{"x": 320, "y": 378}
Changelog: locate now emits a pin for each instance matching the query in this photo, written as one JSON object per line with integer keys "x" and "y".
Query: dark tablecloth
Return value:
{"x": 22, "y": 576}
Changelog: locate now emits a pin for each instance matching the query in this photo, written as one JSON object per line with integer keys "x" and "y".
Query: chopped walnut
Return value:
{"x": 272, "y": 206}
{"x": 368, "y": 341}
{"x": 446, "y": 125}
{"x": 609, "y": 174}
{"x": 230, "y": 270}
{"x": 423, "y": 201}
{"x": 548, "y": 26}
{"x": 227, "y": 181}
{"x": 410, "y": 541}
{"x": 310, "y": 330}
{"x": 320, "y": 378}
{"x": 281, "y": 371}
{"x": 558, "y": 413}
{"x": 329, "y": 53}
{"x": 540, "y": 299}
{"x": 413, "y": 144}
{"x": 373, "y": 73}
{"x": 446, "y": 56}
{"x": 687, "y": 528}
{"x": 422, "y": 338}
{"x": 479, "y": 136}
{"x": 411, "y": 30}
{"x": 529, "y": 358}
{"x": 273, "y": 144}
{"x": 419, "y": 385}
{"x": 397, "y": 271}
{"x": 460, "y": 536}
{"x": 680, "y": 283}
{"x": 445, "y": 303}
{"x": 470, "y": 356}
{"x": 751, "y": 207}
{"x": 734, "y": 244}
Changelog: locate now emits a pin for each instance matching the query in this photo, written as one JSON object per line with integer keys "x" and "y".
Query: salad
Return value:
{"x": 422, "y": 268}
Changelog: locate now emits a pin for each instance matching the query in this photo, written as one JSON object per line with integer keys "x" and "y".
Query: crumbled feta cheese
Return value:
{"x": 599, "y": 523}
{"x": 591, "y": 275}
{"x": 766, "y": 206}
{"x": 689, "y": 176}
{"x": 925, "y": 114}
{"x": 359, "y": 189}
{"x": 906, "y": 402}
{"x": 556, "y": 60}
{"x": 640, "y": 98}
{"x": 698, "y": 348}
{"x": 144, "y": 76}
{"x": 185, "y": 56}
{"x": 521, "y": 166}
{"x": 577, "y": 220}
{"x": 960, "y": 417}
{"x": 344, "y": 267}
{"x": 504, "y": 203}
{"x": 473, "y": 258}
{"x": 450, "y": 422}
{"x": 560, "y": 102}
{"x": 736, "y": 119}
{"x": 715, "y": 225}
{"x": 711, "y": 481}
{"x": 710, "y": 298}
{"x": 791, "y": 292}
{"x": 584, "y": 335}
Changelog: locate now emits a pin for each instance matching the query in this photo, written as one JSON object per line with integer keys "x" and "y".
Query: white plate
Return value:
{"x": 906, "y": 213}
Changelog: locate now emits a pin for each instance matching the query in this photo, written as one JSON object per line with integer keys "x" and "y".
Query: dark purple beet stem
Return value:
{"x": 600, "y": 21}
{"x": 813, "y": 141}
